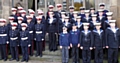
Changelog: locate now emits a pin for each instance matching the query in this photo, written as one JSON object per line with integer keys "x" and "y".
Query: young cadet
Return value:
{"x": 109, "y": 17}
{"x": 99, "y": 44}
{"x": 87, "y": 18}
{"x": 79, "y": 23}
{"x": 74, "y": 43}
{"x": 52, "y": 30}
{"x": 86, "y": 43}
{"x": 20, "y": 20}
{"x": 101, "y": 17}
{"x": 73, "y": 20}
{"x": 30, "y": 28}
{"x": 64, "y": 44}
{"x": 92, "y": 11}
{"x": 67, "y": 24}
{"x": 39, "y": 36}
{"x": 11, "y": 19}
{"x": 24, "y": 42}
{"x": 32, "y": 14}
{"x": 14, "y": 12}
{"x": 82, "y": 12}
{"x": 112, "y": 41}
{"x": 14, "y": 43}
{"x": 61, "y": 21}
{"x": 23, "y": 14}
{"x": 71, "y": 10}
{"x": 3, "y": 39}
{"x": 94, "y": 20}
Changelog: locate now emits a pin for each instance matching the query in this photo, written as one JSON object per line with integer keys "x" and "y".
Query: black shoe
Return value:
{"x": 40, "y": 55}
{"x": 31, "y": 54}
{"x": 17, "y": 60}
{"x": 37, "y": 55}
{"x": 22, "y": 60}
{"x": 5, "y": 59}
{"x": 11, "y": 59}
{"x": 26, "y": 60}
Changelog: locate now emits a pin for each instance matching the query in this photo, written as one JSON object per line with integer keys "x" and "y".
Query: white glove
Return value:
{"x": 91, "y": 48}
{"x": 42, "y": 39}
{"x": 7, "y": 42}
{"x": 29, "y": 45}
{"x": 81, "y": 47}
{"x": 18, "y": 45}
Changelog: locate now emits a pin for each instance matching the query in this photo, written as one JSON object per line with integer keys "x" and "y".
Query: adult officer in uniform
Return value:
{"x": 52, "y": 30}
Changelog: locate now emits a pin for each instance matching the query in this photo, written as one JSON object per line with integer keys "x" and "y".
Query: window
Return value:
{"x": 89, "y": 3}
{"x": 78, "y": 4}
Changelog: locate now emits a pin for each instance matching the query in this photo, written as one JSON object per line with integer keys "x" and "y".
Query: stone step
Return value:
{"x": 56, "y": 53}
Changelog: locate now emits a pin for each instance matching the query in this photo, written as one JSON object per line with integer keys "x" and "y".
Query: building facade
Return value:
{"x": 6, "y": 5}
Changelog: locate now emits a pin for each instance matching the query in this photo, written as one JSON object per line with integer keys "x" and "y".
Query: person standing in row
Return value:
{"x": 39, "y": 36}
{"x": 24, "y": 42}
{"x": 86, "y": 43}
{"x": 112, "y": 41}
{"x": 99, "y": 44}
{"x": 74, "y": 43}
{"x": 52, "y": 30}
{"x": 14, "y": 43}
{"x": 64, "y": 41}
{"x": 30, "y": 28}
{"x": 3, "y": 39}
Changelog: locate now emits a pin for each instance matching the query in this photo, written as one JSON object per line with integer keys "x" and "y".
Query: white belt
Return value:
{"x": 38, "y": 32}
{"x": 14, "y": 38}
{"x": 24, "y": 38}
{"x": 30, "y": 31}
{"x": 3, "y": 34}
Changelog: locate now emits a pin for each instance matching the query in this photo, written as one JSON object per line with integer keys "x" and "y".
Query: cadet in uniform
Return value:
{"x": 112, "y": 41}
{"x": 50, "y": 9}
{"x": 79, "y": 23}
{"x": 61, "y": 21}
{"x": 14, "y": 12}
{"x": 32, "y": 14}
{"x": 67, "y": 24}
{"x": 30, "y": 28}
{"x": 94, "y": 20}
{"x": 82, "y": 12}
{"x": 14, "y": 43}
{"x": 11, "y": 19}
{"x": 86, "y": 43}
{"x": 73, "y": 20}
{"x": 23, "y": 14}
{"x": 99, "y": 44}
{"x": 24, "y": 42}
{"x": 71, "y": 10}
{"x": 3, "y": 39}
{"x": 39, "y": 36}
{"x": 109, "y": 17}
{"x": 64, "y": 41}
{"x": 87, "y": 17}
{"x": 92, "y": 11}
{"x": 74, "y": 43}
{"x": 20, "y": 20}
{"x": 52, "y": 30}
